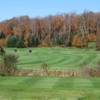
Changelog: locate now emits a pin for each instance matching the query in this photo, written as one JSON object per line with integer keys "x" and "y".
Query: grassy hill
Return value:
{"x": 52, "y": 88}
{"x": 56, "y": 58}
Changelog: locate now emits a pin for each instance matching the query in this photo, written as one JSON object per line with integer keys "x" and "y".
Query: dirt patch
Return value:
{"x": 55, "y": 73}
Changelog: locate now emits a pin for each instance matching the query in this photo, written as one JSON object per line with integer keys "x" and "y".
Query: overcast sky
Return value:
{"x": 34, "y": 8}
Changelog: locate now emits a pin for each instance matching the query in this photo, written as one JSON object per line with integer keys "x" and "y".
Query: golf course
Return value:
{"x": 47, "y": 87}
{"x": 50, "y": 50}
{"x": 56, "y": 57}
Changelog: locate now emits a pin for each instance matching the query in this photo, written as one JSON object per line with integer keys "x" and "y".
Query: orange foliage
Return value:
{"x": 79, "y": 42}
{"x": 46, "y": 42}
{"x": 48, "y": 29}
{"x": 2, "y": 42}
{"x": 91, "y": 37}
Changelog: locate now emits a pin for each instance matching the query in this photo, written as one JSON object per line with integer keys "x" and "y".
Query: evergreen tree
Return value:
{"x": 11, "y": 41}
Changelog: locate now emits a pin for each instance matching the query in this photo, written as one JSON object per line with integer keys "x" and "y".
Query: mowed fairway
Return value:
{"x": 52, "y": 88}
{"x": 56, "y": 58}
{"x": 49, "y": 88}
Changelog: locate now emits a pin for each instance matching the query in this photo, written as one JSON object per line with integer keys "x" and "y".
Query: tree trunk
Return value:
{"x": 98, "y": 35}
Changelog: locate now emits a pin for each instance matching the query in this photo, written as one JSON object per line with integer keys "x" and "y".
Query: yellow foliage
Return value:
{"x": 2, "y": 42}
{"x": 79, "y": 42}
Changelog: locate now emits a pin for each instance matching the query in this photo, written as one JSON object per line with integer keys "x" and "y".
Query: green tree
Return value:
{"x": 20, "y": 42}
{"x": 34, "y": 41}
{"x": 2, "y": 35}
{"x": 11, "y": 41}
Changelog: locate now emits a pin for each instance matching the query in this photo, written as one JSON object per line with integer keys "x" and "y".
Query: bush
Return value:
{"x": 2, "y": 51}
{"x": 91, "y": 72}
{"x": 8, "y": 67}
{"x": 30, "y": 51}
{"x": 44, "y": 67}
{"x": 15, "y": 50}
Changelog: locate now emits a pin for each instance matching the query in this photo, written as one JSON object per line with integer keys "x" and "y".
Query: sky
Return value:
{"x": 41, "y": 8}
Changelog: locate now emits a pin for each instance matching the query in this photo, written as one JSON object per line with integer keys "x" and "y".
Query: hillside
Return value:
{"x": 59, "y": 30}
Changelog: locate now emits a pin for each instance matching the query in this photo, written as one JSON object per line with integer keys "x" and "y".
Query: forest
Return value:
{"x": 64, "y": 30}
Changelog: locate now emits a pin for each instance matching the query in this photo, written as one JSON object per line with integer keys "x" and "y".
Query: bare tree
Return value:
{"x": 98, "y": 34}
{"x": 83, "y": 31}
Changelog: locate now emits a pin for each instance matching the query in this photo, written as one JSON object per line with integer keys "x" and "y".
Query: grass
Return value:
{"x": 57, "y": 58}
{"x": 49, "y": 88}
{"x": 52, "y": 88}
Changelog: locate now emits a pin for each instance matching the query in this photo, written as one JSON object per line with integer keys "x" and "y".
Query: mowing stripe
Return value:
{"x": 46, "y": 82}
{"x": 80, "y": 83}
{"x": 29, "y": 82}
{"x": 10, "y": 80}
{"x": 59, "y": 58}
{"x": 96, "y": 82}
{"x": 64, "y": 84}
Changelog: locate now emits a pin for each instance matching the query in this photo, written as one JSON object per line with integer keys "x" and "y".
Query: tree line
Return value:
{"x": 60, "y": 30}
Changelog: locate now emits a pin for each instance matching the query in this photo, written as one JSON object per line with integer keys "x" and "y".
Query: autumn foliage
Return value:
{"x": 59, "y": 30}
{"x": 91, "y": 37}
{"x": 79, "y": 42}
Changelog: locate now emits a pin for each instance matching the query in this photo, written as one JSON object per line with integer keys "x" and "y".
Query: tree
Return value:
{"x": 2, "y": 35}
{"x": 69, "y": 30}
{"x": 51, "y": 30}
{"x": 11, "y": 41}
{"x": 98, "y": 34}
{"x": 82, "y": 31}
{"x": 20, "y": 42}
{"x": 2, "y": 39}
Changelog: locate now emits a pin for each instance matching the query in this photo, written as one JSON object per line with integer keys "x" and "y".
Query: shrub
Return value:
{"x": 91, "y": 72}
{"x": 8, "y": 67}
{"x": 15, "y": 50}
{"x": 44, "y": 66}
{"x": 30, "y": 51}
{"x": 2, "y": 51}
